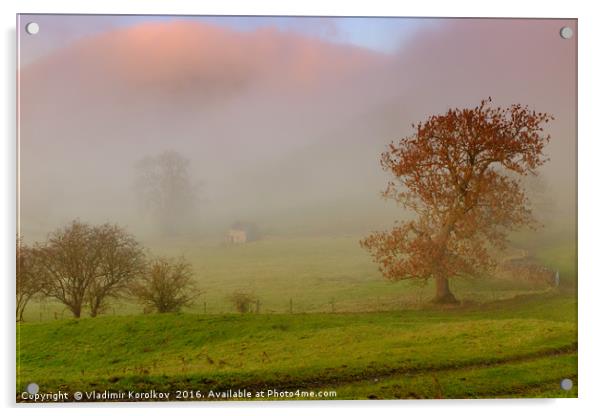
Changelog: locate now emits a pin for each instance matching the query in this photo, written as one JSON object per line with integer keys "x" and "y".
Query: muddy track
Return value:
{"x": 527, "y": 390}
{"x": 331, "y": 382}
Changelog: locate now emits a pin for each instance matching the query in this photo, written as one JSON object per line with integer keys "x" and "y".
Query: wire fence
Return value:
{"x": 47, "y": 310}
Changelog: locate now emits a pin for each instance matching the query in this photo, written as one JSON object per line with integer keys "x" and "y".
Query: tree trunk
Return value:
{"x": 95, "y": 304}
{"x": 443, "y": 294}
{"x": 77, "y": 311}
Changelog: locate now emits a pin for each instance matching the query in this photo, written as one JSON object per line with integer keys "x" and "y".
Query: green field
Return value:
{"x": 350, "y": 331}
{"x": 518, "y": 347}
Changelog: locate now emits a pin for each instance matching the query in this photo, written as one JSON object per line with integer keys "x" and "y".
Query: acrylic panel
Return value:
{"x": 295, "y": 208}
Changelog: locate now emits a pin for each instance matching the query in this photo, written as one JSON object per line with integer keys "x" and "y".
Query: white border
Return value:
{"x": 590, "y": 152}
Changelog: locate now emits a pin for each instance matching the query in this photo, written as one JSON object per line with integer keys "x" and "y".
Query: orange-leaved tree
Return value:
{"x": 459, "y": 172}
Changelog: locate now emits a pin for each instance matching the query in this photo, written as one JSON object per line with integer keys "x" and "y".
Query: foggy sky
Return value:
{"x": 283, "y": 128}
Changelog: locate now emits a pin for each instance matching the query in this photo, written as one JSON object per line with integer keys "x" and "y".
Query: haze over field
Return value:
{"x": 284, "y": 127}
{"x": 238, "y": 162}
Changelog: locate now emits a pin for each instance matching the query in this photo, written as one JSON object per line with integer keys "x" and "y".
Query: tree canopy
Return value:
{"x": 459, "y": 173}
{"x": 81, "y": 263}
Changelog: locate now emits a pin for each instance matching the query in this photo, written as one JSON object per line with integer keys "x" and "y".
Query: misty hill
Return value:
{"x": 279, "y": 127}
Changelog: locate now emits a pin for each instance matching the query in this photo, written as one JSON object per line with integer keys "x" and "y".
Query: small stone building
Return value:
{"x": 236, "y": 236}
{"x": 242, "y": 232}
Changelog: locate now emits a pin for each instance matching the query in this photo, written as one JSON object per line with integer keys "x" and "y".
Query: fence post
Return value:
{"x": 205, "y": 307}
{"x": 257, "y": 306}
{"x": 290, "y": 305}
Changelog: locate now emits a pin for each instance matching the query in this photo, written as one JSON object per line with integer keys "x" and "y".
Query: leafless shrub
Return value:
{"x": 242, "y": 301}
{"x": 167, "y": 285}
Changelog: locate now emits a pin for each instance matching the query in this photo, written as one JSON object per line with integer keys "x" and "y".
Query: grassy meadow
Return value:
{"x": 516, "y": 347}
{"x": 319, "y": 274}
{"x": 349, "y": 331}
